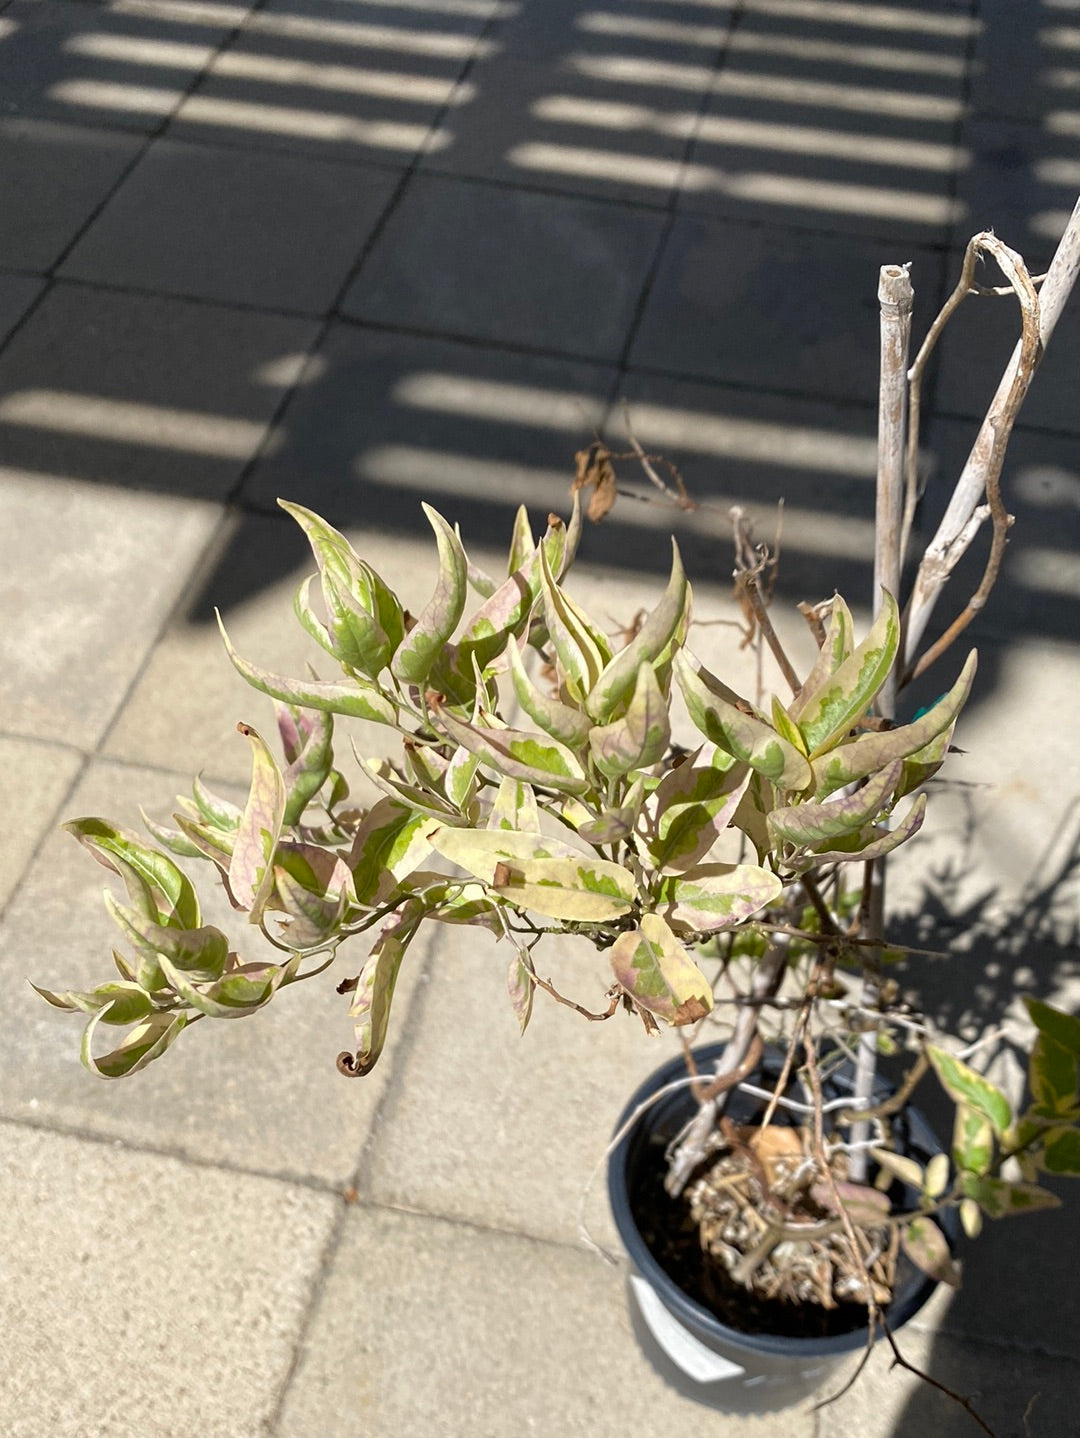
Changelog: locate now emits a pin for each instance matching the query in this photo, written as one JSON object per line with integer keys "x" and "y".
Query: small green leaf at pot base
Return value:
{"x": 251, "y": 875}
{"x": 1000, "y": 1199}
{"x": 926, "y": 1246}
{"x": 1062, "y": 1152}
{"x": 653, "y": 967}
{"x": 965, "y": 1086}
{"x": 1063, "y": 1028}
{"x": 1052, "y": 1074}
{"x": 849, "y": 692}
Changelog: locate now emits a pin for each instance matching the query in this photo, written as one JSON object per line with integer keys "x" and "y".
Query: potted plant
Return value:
{"x": 695, "y": 835}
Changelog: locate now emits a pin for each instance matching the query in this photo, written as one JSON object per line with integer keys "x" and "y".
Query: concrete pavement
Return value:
{"x": 360, "y": 253}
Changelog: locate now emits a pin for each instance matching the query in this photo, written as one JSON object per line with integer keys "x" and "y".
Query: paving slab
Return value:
{"x": 774, "y": 308}
{"x": 1000, "y": 1380}
{"x": 276, "y": 231}
{"x": 262, "y": 1094}
{"x": 188, "y": 699}
{"x": 92, "y": 574}
{"x": 546, "y": 125}
{"x": 660, "y": 35}
{"x": 544, "y": 271}
{"x": 127, "y": 66}
{"x": 1022, "y": 62}
{"x": 143, "y": 391}
{"x": 347, "y": 81}
{"x": 17, "y": 294}
{"x": 133, "y": 1298}
{"x": 976, "y": 347}
{"x": 54, "y": 176}
{"x": 37, "y": 776}
{"x": 1038, "y": 591}
{"x": 736, "y": 447}
{"x": 429, "y": 1327}
{"x": 1021, "y": 181}
{"x": 384, "y": 421}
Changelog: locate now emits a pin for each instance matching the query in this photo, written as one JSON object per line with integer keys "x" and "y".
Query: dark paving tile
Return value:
{"x": 53, "y": 177}
{"x": 507, "y": 265}
{"x": 17, "y": 294}
{"x": 388, "y": 420}
{"x": 777, "y": 308}
{"x": 1025, "y": 60}
{"x": 274, "y": 230}
{"x": 545, "y": 124}
{"x": 1021, "y": 181}
{"x": 329, "y": 79}
{"x": 102, "y": 65}
{"x": 652, "y": 32}
{"x": 150, "y": 393}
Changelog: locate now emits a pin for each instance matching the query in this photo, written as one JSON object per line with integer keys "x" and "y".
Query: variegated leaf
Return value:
{"x": 522, "y": 543}
{"x": 850, "y": 690}
{"x": 926, "y": 1246}
{"x": 717, "y": 896}
{"x": 617, "y": 681}
{"x": 810, "y": 823}
{"x": 312, "y": 887}
{"x": 238, "y": 993}
{"x": 308, "y": 739}
{"x": 515, "y": 808}
{"x": 653, "y": 966}
{"x": 222, "y": 813}
{"x": 570, "y": 726}
{"x": 692, "y": 805}
{"x": 360, "y": 701}
{"x": 839, "y": 640}
{"x": 146, "y": 1042}
{"x": 964, "y": 1085}
{"x": 581, "y": 649}
{"x": 871, "y": 843}
{"x": 125, "y": 1003}
{"x": 433, "y": 630}
{"x": 201, "y": 951}
{"x": 374, "y": 994}
{"x": 1000, "y": 1199}
{"x": 520, "y": 987}
{"x": 732, "y": 725}
{"x": 1053, "y": 1075}
{"x": 870, "y": 752}
{"x": 155, "y": 885}
{"x": 390, "y": 844}
{"x": 1063, "y": 1028}
{"x": 640, "y": 737}
{"x": 251, "y": 873}
{"x": 613, "y": 825}
{"x": 515, "y": 753}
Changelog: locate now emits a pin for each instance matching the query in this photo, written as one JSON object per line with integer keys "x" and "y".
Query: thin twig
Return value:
{"x": 901, "y": 1362}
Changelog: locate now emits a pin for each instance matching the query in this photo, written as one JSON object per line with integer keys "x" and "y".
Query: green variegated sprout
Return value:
{"x": 579, "y": 816}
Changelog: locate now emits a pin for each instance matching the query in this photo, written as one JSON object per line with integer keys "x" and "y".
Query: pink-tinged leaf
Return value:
{"x": 360, "y": 701}
{"x": 311, "y": 886}
{"x": 308, "y": 739}
{"x": 460, "y": 779}
{"x": 520, "y": 987}
{"x": 215, "y": 810}
{"x": 421, "y": 801}
{"x": 863, "y": 1205}
{"x": 869, "y": 753}
{"x": 236, "y": 994}
{"x": 581, "y": 649}
{"x": 390, "y": 844}
{"x": 124, "y": 1003}
{"x": 251, "y": 871}
{"x": 374, "y": 993}
{"x": 717, "y": 896}
{"x": 514, "y": 753}
{"x": 615, "y": 824}
{"x": 850, "y": 690}
{"x": 171, "y": 839}
{"x": 309, "y": 620}
{"x": 619, "y": 676}
{"x": 926, "y": 1246}
{"x": 515, "y": 808}
{"x": 522, "y": 543}
{"x": 872, "y": 843}
{"x": 155, "y": 885}
{"x": 439, "y": 618}
{"x": 1000, "y": 1199}
{"x": 427, "y": 765}
{"x": 146, "y": 1042}
{"x": 212, "y": 844}
{"x": 692, "y": 806}
{"x": 641, "y": 737}
{"x": 811, "y": 823}
{"x": 202, "y": 951}
{"x": 734, "y": 727}
{"x": 839, "y": 640}
{"x": 563, "y": 722}
{"x": 653, "y": 966}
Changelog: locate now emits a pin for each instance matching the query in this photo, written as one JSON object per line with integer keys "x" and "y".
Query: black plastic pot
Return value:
{"x": 702, "y": 1356}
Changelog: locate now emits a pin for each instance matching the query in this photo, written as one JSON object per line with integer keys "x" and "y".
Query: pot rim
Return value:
{"x": 904, "y": 1306}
